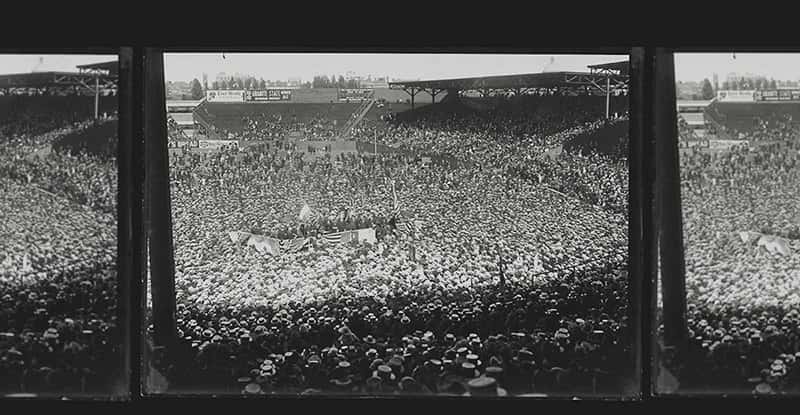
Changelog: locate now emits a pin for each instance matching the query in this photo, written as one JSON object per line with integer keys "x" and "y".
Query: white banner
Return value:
{"x": 217, "y": 143}
{"x": 737, "y": 96}
{"x": 367, "y": 235}
{"x": 233, "y": 95}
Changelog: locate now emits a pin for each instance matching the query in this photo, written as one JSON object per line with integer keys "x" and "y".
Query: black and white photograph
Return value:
{"x": 59, "y": 329}
{"x": 397, "y": 225}
{"x": 739, "y": 151}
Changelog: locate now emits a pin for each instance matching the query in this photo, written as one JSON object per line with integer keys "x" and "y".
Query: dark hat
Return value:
{"x": 408, "y": 384}
{"x": 495, "y": 361}
{"x": 485, "y": 386}
{"x": 375, "y": 363}
{"x": 342, "y": 383}
{"x": 495, "y": 372}
{"x": 468, "y": 370}
{"x": 436, "y": 363}
{"x": 525, "y": 354}
{"x": 474, "y": 359}
{"x": 385, "y": 373}
{"x": 374, "y": 382}
{"x": 252, "y": 388}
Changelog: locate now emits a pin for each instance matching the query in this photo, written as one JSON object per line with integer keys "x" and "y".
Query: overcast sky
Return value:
{"x": 696, "y": 66}
{"x": 185, "y": 67}
{"x": 10, "y": 64}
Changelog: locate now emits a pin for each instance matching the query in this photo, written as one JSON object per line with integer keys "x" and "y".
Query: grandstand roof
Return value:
{"x": 623, "y": 67}
{"x": 55, "y": 80}
{"x": 567, "y": 80}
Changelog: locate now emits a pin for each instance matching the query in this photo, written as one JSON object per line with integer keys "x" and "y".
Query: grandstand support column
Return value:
{"x": 434, "y": 92}
{"x": 669, "y": 219}
{"x": 413, "y": 92}
{"x": 608, "y": 96}
{"x": 96, "y": 95}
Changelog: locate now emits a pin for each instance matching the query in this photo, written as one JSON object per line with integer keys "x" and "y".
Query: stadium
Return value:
{"x": 58, "y": 277}
{"x": 739, "y": 176}
{"x": 449, "y": 236}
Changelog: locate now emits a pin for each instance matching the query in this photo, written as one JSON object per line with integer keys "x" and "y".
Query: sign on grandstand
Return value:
{"x": 233, "y": 95}
{"x": 355, "y": 94}
{"x": 269, "y": 95}
{"x": 778, "y": 95}
{"x": 736, "y": 96}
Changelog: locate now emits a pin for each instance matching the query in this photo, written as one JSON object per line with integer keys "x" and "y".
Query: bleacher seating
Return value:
{"x": 230, "y": 116}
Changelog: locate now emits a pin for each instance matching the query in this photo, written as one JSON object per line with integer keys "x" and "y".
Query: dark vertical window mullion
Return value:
{"x": 160, "y": 248}
{"x": 669, "y": 214}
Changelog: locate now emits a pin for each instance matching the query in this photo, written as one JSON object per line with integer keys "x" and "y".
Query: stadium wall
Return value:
{"x": 315, "y": 95}
{"x": 740, "y": 115}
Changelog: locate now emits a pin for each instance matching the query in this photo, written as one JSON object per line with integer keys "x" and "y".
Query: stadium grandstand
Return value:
{"x": 335, "y": 114}
{"x": 58, "y": 255}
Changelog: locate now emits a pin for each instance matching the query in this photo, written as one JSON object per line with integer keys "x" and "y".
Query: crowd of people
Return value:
{"x": 85, "y": 178}
{"x": 507, "y": 287}
{"x": 518, "y": 139}
{"x": 743, "y": 300}
{"x": 274, "y": 126}
{"x": 58, "y": 254}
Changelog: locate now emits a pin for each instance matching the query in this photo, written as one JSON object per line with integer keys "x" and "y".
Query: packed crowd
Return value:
{"x": 273, "y": 126}
{"x": 57, "y": 261}
{"x": 85, "y": 178}
{"x": 508, "y": 287}
{"x": 773, "y": 127}
{"x": 743, "y": 301}
{"x": 518, "y": 141}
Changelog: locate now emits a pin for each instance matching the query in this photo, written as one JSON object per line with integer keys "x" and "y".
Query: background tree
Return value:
{"x": 341, "y": 83}
{"x": 706, "y": 90}
{"x": 725, "y": 85}
{"x": 196, "y": 90}
{"x": 262, "y": 84}
{"x": 773, "y": 84}
{"x": 214, "y": 85}
{"x": 223, "y": 84}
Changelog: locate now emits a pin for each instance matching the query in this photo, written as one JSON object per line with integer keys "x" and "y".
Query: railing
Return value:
{"x": 710, "y": 116}
{"x": 198, "y": 116}
{"x": 358, "y": 115}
